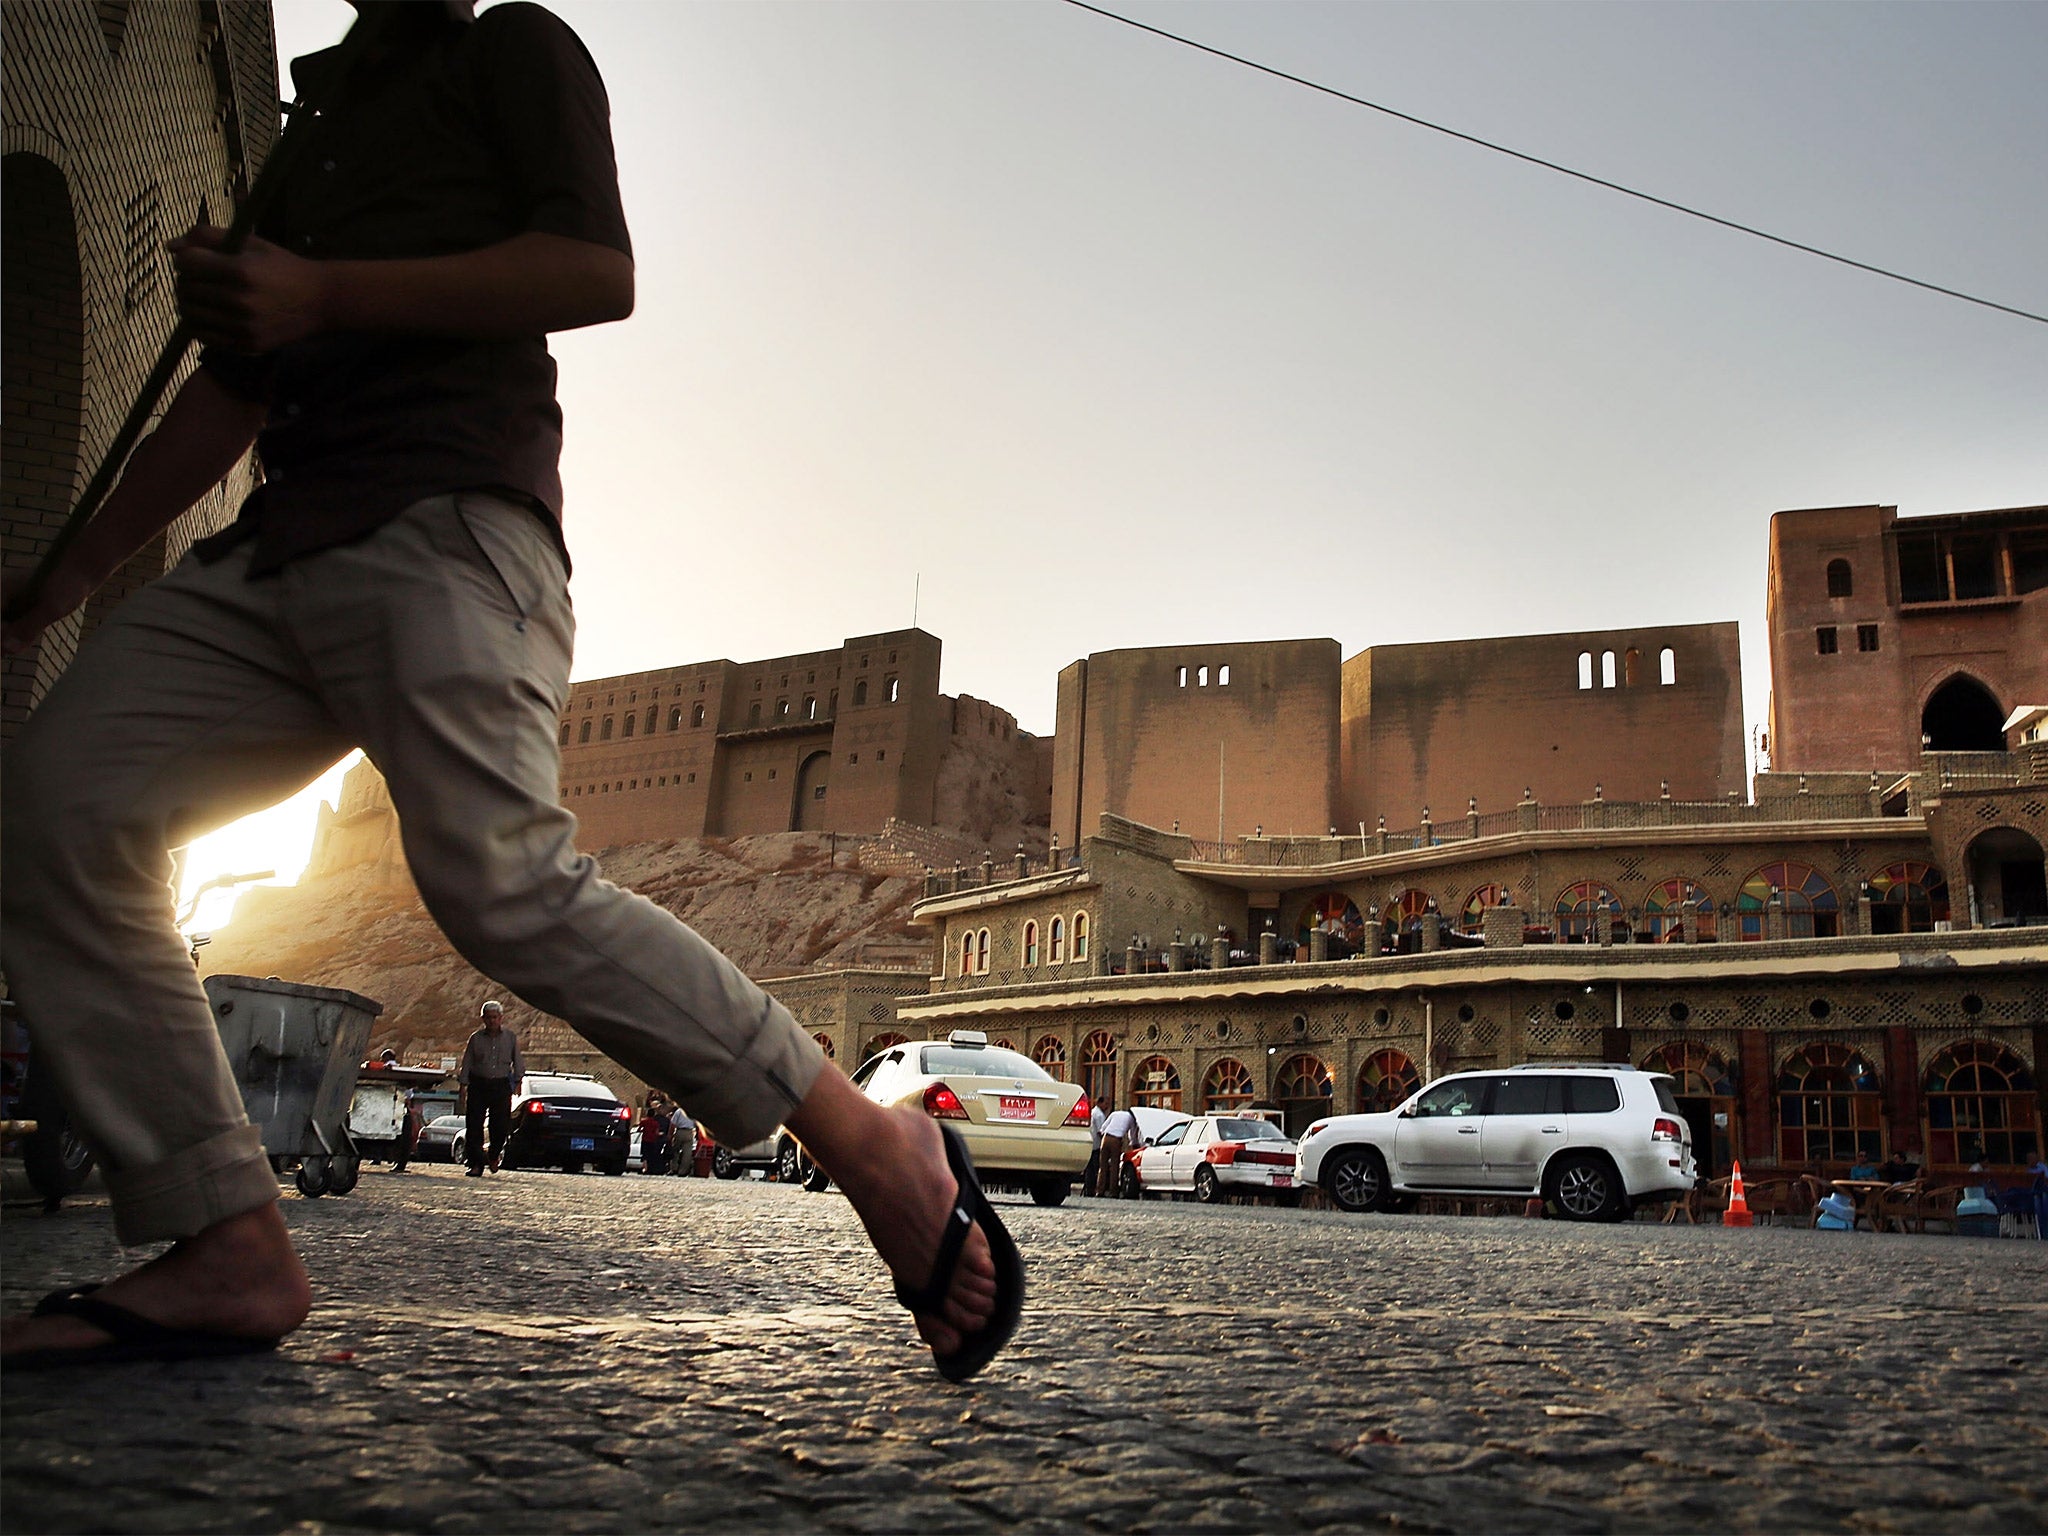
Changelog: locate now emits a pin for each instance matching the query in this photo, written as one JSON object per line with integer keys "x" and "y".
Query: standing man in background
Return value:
{"x": 490, "y": 1074}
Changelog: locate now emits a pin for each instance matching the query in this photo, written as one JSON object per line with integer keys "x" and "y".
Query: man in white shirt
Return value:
{"x": 1120, "y": 1133}
{"x": 1096, "y": 1116}
{"x": 682, "y": 1142}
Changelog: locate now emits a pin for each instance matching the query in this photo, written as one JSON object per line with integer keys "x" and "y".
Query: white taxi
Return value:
{"x": 1022, "y": 1126}
{"x": 1212, "y": 1156}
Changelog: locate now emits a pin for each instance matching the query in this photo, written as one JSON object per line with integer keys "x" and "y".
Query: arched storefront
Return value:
{"x": 1709, "y": 1098}
{"x": 1981, "y": 1108}
{"x": 1830, "y": 1107}
{"x": 1227, "y": 1085}
{"x": 1386, "y": 1078}
{"x": 1098, "y": 1067}
{"x": 1156, "y": 1082}
{"x": 1304, "y": 1091}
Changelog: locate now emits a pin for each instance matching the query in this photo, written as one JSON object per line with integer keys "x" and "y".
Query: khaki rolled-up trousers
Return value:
{"x": 440, "y": 644}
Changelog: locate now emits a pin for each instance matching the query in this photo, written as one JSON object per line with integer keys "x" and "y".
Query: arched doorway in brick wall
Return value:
{"x": 811, "y": 813}
{"x": 1962, "y": 716}
{"x": 1386, "y": 1078}
{"x": 42, "y": 316}
{"x": 1156, "y": 1082}
{"x": 1304, "y": 1091}
{"x": 1098, "y": 1066}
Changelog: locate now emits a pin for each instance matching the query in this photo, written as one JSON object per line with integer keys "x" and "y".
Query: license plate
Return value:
{"x": 582, "y": 1144}
{"x": 1282, "y": 1180}
{"x": 1009, "y": 1108}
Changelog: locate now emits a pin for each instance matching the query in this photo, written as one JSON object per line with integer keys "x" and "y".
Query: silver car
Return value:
{"x": 1592, "y": 1140}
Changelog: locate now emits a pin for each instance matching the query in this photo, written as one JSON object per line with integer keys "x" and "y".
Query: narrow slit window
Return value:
{"x": 1667, "y": 667}
{"x": 1585, "y": 669}
{"x": 1607, "y": 669}
{"x": 1223, "y": 677}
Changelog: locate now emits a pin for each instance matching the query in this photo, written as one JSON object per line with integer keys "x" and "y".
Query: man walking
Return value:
{"x": 490, "y": 1074}
{"x": 399, "y": 583}
{"x": 1098, "y": 1113}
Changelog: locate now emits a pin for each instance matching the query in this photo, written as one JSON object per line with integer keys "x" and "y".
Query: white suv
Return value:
{"x": 1593, "y": 1140}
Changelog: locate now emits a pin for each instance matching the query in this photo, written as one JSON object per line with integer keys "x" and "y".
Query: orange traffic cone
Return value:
{"x": 1737, "y": 1214}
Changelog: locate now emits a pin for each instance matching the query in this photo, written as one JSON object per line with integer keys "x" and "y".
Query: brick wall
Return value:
{"x": 119, "y": 122}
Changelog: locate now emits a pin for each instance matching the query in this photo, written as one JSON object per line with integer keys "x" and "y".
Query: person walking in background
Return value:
{"x": 490, "y": 1074}
{"x": 654, "y": 1136}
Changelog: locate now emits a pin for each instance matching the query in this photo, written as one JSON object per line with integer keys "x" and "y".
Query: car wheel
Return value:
{"x": 458, "y": 1149}
{"x": 312, "y": 1178}
{"x": 724, "y": 1165}
{"x": 1128, "y": 1184}
{"x": 1050, "y": 1191}
{"x": 1584, "y": 1188}
{"x": 816, "y": 1180}
{"x": 1356, "y": 1179}
{"x": 1207, "y": 1190}
{"x": 788, "y": 1164}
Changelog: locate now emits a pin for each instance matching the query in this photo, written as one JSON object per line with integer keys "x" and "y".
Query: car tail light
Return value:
{"x": 1078, "y": 1115}
{"x": 535, "y": 1107}
{"x": 1222, "y": 1152}
{"x": 942, "y": 1103}
{"x": 1667, "y": 1130}
{"x": 622, "y": 1113}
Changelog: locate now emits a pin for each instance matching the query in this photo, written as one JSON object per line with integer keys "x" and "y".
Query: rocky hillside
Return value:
{"x": 775, "y": 904}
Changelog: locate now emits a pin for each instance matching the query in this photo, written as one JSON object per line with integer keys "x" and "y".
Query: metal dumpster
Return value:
{"x": 294, "y": 1051}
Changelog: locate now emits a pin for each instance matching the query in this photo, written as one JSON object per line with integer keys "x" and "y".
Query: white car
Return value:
{"x": 1023, "y": 1127}
{"x": 1212, "y": 1156}
{"x": 1593, "y": 1140}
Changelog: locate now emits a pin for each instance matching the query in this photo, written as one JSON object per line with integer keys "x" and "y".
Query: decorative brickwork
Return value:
{"x": 122, "y": 124}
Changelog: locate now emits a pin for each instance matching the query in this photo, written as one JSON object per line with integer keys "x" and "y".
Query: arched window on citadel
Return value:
{"x": 825, "y": 1044}
{"x": 675, "y": 717}
{"x": 1080, "y": 935}
{"x": 631, "y": 721}
{"x": 1664, "y": 911}
{"x": 565, "y": 733}
{"x": 1473, "y": 918}
{"x": 1908, "y": 897}
{"x": 1841, "y": 582}
{"x": 1981, "y": 1108}
{"x": 1056, "y": 941}
{"x": 1051, "y": 1053}
{"x": 604, "y": 732}
{"x": 1304, "y": 1091}
{"x": 1578, "y": 908}
{"x": 1031, "y": 943}
{"x": 583, "y": 734}
{"x": 1830, "y": 1107}
{"x": 1098, "y": 1066}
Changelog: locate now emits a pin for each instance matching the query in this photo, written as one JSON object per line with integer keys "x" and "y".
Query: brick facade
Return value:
{"x": 1884, "y": 628}
{"x": 120, "y": 123}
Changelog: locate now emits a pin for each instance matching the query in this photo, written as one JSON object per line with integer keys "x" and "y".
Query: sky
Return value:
{"x": 1064, "y": 338}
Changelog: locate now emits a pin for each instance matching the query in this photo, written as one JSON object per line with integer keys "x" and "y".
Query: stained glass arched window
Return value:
{"x": 1578, "y": 907}
{"x": 1303, "y": 1089}
{"x": 1981, "y": 1107}
{"x": 1830, "y": 1107}
{"x": 1050, "y": 1052}
{"x": 1227, "y": 1085}
{"x": 1404, "y": 909}
{"x": 1664, "y": 911}
{"x": 1812, "y": 910}
{"x": 1337, "y": 913}
{"x": 1473, "y": 918}
{"x": 1908, "y": 897}
{"x": 1157, "y": 1083}
{"x": 1387, "y": 1078}
{"x": 1098, "y": 1066}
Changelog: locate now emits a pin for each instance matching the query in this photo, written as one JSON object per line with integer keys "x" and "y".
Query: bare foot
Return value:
{"x": 892, "y": 1165}
{"x": 240, "y": 1277}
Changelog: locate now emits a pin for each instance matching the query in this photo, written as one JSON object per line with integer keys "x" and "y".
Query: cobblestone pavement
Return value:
{"x": 544, "y": 1353}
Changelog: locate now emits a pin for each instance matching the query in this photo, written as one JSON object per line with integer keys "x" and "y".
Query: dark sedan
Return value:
{"x": 568, "y": 1121}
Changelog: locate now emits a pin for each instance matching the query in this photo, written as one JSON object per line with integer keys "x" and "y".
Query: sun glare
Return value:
{"x": 279, "y": 840}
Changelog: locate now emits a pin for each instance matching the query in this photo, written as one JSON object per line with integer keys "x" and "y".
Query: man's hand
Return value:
{"x": 64, "y": 591}
{"x": 256, "y": 301}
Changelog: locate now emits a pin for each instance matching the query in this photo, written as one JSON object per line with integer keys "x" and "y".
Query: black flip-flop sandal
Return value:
{"x": 971, "y": 1209}
{"x": 133, "y": 1337}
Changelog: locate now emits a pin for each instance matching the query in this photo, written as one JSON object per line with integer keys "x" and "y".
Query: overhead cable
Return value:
{"x": 1552, "y": 165}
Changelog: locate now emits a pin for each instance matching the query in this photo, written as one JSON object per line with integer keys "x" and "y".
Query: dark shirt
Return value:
{"x": 466, "y": 135}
